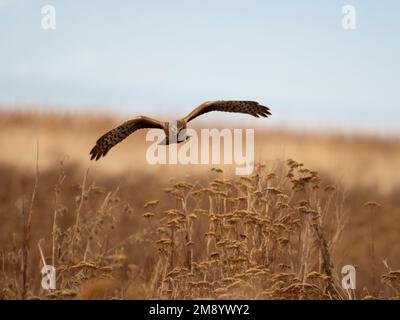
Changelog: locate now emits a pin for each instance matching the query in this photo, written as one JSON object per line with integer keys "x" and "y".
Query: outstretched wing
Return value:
{"x": 250, "y": 107}
{"x": 116, "y": 135}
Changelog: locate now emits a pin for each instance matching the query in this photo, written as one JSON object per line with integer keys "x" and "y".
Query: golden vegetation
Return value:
{"x": 282, "y": 233}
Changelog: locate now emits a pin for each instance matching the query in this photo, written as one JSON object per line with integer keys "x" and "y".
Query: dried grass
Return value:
{"x": 282, "y": 233}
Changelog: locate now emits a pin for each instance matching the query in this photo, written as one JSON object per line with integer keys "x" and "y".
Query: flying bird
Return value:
{"x": 174, "y": 130}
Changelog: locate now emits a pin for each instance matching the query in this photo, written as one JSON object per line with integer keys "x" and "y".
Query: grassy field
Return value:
{"x": 122, "y": 228}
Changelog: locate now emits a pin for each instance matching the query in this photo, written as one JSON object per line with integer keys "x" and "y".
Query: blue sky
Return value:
{"x": 164, "y": 57}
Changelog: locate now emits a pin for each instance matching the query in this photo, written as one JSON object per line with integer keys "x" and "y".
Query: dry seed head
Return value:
{"x": 247, "y": 179}
{"x": 201, "y": 211}
{"x": 165, "y": 241}
{"x": 281, "y": 226}
{"x": 173, "y": 222}
{"x": 274, "y": 191}
{"x": 233, "y": 220}
{"x": 162, "y": 230}
{"x": 304, "y": 203}
{"x": 329, "y": 188}
{"x": 152, "y": 203}
{"x": 236, "y": 284}
{"x": 291, "y": 162}
{"x": 301, "y": 209}
{"x": 253, "y": 270}
{"x": 172, "y": 212}
{"x": 283, "y": 240}
{"x": 215, "y": 218}
{"x": 221, "y": 290}
{"x": 148, "y": 215}
{"x": 246, "y": 186}
{"x": 258, "y": 193}
{"x": 196, "y": 193}
{"x": 282, "y": 196}
{"x": 209, "y": 234}
{"x": 173, "y": 272}
{"x": 315, "y": 179}
{"x": 240, "y": 212}
{"x": 183, "y": 186}
{"x": 221, "y": 242}
{"x": 317, "y": 275}
{"x": 372, "y": 204}
{"x": 282, "y": 205}
{"x": 228, "y": 280}
{"x": 271, "y": 175}
{"x": 221, "y": 193}
{"x": 115, "y": 199}
{"x": 220, "y": 181}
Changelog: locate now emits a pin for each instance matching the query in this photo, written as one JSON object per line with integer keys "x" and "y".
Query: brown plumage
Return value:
{"x": 116, "y": 135}
{"x": 249, "y": 107}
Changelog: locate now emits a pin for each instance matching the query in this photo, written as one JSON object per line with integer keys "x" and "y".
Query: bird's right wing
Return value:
{"x": 116, "y": 135}
{"x": 250, "y": 107}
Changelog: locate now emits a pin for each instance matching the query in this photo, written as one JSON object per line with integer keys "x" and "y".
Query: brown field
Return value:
{"x": 121, "y": 228}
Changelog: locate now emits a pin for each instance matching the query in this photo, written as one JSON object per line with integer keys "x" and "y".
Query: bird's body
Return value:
{"x": 175, "y": 131}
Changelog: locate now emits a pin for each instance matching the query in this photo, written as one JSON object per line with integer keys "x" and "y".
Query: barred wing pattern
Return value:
{"x": 116, "y": 135}
{"x": 250, "y": 107}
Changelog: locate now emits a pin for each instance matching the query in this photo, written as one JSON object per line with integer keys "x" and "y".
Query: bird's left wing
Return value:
{"x": 250, "y": 107}
{"x": 116, "y": 135}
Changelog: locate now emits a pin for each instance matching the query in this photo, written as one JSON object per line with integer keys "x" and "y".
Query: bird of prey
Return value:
{"x": 174, "y": 130}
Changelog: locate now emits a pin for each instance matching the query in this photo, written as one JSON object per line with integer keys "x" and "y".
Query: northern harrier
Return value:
{"x": 176, "y": 128}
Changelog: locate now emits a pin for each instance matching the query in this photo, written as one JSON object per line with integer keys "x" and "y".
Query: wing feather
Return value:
{"x": 249, "y": 107}
{"x": 116, "y": 135}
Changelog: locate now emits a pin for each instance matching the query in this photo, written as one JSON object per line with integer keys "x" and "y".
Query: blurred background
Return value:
{"x": 165, "y": 58}
{"x": 333, "y": 93}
